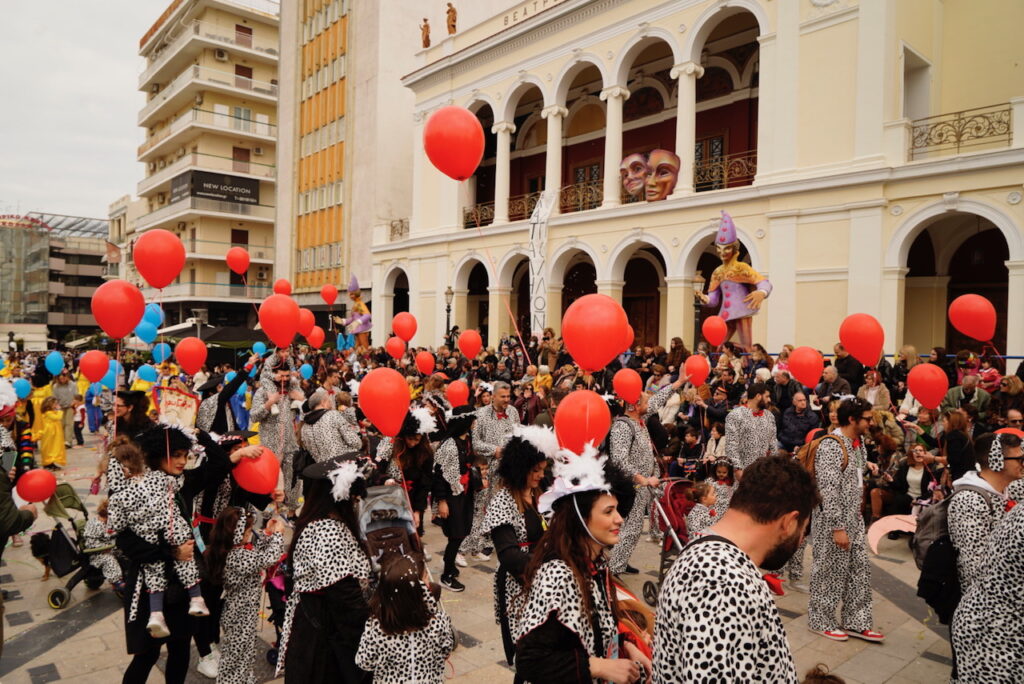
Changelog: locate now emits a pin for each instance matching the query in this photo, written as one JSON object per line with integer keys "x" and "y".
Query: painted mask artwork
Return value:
{"x": 633, "y": 171}
{"x": 651, "y": 176}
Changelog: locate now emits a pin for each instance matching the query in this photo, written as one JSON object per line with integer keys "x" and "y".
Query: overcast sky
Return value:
{"x": 69, "y": 71}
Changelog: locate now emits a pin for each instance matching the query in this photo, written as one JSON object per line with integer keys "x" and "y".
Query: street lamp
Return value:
{"x": 449, "y": 295}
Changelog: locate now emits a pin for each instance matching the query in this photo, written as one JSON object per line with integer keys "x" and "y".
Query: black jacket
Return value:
{"x": 793, "y": 427}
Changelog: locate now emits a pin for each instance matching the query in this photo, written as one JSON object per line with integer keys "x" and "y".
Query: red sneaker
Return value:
{"x": 833, "y": 634}
{"x": 868, "y": 635}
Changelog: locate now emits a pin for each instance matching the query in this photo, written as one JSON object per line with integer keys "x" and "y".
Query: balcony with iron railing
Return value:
{"x": 168, "y": 136}
{"x": 208, "y": 291}
{"x": 728, "y": 171}
{"x": 206, "y": 34}
{"x": 216, "y": 249}
{"x": 206, "y": 162}
{"x": 201, "y": 205}
{"x": 969, "y": 130}
{"x": 197, "y": 78}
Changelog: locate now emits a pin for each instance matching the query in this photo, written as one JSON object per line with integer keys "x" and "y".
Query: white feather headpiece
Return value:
{"x": 8, "y": 397}
{"x": 426, "y": 420}
{"x": 342, "y": 479}
{"x": 574, "y": 474}
{"x": 542, "y": 438}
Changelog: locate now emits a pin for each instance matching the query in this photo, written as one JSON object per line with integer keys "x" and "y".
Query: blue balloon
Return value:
{"x": 161, "y": 352}
{"x": 241, "y": 390}
{"x": 154, "y": 314}
{"x": 254, "y": 371}
{"x": 147, "y": 373}
{"x": 109, "y": 380}
{"x": 2, "y": 364}
{"x": 54, "y": 363}
{"x": 115, "y": 367}
{"x": 21, "y": 388}
{"x": 146, "y": 332}
{"x": 230, "y": 376}
{"x": 306, "y": 371}
{"x": 259, "y": 348}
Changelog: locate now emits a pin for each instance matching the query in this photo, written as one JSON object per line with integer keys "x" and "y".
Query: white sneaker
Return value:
{"x": 427, "y": 556}
{"x": 460, "y": 560}
{"x": 157, "y": 626}
{"x": 797, "y": 585}
{"x": 482, "y": 557}
{"x": 209, "y": 665}
{"x": 197, "y": 607}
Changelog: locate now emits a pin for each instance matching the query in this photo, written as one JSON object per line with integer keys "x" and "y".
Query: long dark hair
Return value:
{"x": 222, "y": 540}
{"x": 320, "y": 504}
{"x": 399, "y": 603}
{"x": 419, "y": 456}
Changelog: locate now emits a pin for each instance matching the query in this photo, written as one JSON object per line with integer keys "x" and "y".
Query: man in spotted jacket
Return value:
{"x": 750, "y": 429}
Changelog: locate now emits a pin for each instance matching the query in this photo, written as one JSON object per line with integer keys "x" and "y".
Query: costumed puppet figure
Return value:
{"x": 359, "y": 322}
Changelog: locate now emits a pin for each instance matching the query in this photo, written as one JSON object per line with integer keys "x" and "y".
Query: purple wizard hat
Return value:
{"x": 726, "y": 231}
{"x": 353, "y": 285}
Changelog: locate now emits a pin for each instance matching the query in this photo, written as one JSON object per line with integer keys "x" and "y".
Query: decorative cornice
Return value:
{"x": 687, "y": 69}
{"x": 615, "y": 91}
{"x": 554, "y": 110}
{"x": 503, "y": 127}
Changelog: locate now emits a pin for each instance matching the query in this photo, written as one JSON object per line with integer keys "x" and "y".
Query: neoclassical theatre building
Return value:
{"x": 871, "y": 155}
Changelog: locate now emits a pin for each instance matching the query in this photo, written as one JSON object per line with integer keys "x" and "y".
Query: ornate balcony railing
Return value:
{"x": 581, "y": 196}
{"x": 399, "y": 230}
{"x": 478, "y": 215}
{"x": 958, "y": 130}
{"x": 521, "y": 207}
{"x": 729, "y": 171}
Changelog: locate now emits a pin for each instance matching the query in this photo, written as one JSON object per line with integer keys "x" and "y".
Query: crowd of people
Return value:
{"x": 772, "y": 466}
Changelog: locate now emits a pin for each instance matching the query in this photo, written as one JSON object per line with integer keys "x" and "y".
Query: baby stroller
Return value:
{"x": 64, "y": 550}
{"x": 670, "y": 510}
{"x": 386, "y": 523}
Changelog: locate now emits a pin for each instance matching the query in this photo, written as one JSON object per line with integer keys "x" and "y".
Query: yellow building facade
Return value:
{"x": 870, "y": 154}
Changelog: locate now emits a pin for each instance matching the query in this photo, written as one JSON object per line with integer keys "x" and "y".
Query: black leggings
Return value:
{"x": 450, "y": 551}
{"x": 143, "y": 662}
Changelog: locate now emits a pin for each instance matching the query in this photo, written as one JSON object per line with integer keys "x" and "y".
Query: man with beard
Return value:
{"x": 841, "y": 571}
{"x": 750, "y": 429}
{"x": 716, "y": 619}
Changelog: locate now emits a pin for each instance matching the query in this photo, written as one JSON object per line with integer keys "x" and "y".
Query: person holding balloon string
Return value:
{"x": 215, "y": 413}
{"x": 272, "y": 407}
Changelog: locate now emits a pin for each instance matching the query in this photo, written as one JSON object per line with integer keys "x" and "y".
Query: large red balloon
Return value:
{"x": 863, "y": 337}
{"x": 404, "y": 325}
{"x": 425, "y": 362}
{"x": 190, "y": 354}
{"x": 593, "y": 328}
{"x": 457, "y": 393}
{"x": 279, "y": 318}
{"x": 714, "y": 330}
{"x": 470, "y": 343}
{"x": 384, "y": 398}
{"x": 806, "y": 365}
{"x": 238, "y": 259}
{"x": 94, "y": 364}
{"x": 118, "y": 306}
{"x": 697, "y": 368}
{"x": 328, "y": 293}
{"x": 1010, "y": 431}
{"x": 395, "y": 347}
{"x": 974, "y": 316}
{"x": 628, "y": 385}
{"x": 454, "y": 141}
{"x": 282, "y": 286}
{"x": 582, "y": 417}
{"x": 629, "y": 337}
{"x": 928, "y": 383}
{"x": 258, "y": 475}
{"x": 306, "y": 322}
{"x": 316, "y": 337}
{"x": 159, "y": 257}
{"x": 36, "y": 485}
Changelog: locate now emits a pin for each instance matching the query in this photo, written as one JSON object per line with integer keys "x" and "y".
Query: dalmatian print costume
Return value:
{"x": 746, "y": 641}
{"x": 748, "y": 436}
{"x": 1015, "y": 492}
{"x": 699, "y": 518}
{"x": 330, "y": 435}
{"x": 97, "y": 535}
{"x": 242, "y": 588}
{"x": 988, "y": 634}
{"x": 837, "y": 575}
{"x": 410, "y": 657}
{"x": 325, "y": 554}
{"x": 723, "y": 495}
{"x": 208, "y": 412}
{"x": 6, "y": 440}
{"x": 972, "y": 516}
{"x": 277, "y": 432}
{"x": 503, "y": 511}
{"x": 489, "y": 433}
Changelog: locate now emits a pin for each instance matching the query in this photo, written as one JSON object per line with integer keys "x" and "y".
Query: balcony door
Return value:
{"x": 707, "y": 162}
{"x": 243, "y": 36}
{"x": 240, "y": 159}
{"x": 241, "y": 119}
{"x": 243, "y": 77}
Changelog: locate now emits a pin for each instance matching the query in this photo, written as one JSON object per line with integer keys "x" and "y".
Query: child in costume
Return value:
{"x": 97, "y": 534}
{"x": 51, "y": 434}
{"x": 702, "y": 515}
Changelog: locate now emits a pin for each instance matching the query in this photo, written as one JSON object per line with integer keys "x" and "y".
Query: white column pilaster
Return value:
{"x": 1015, "y": 313}
{"x": 612, "y": 288}
{"x": 893, "y": 297}
{"x": 499, "y": 322}
{"x": 1017, "y": 121}
{"x": 555, "y": 308}
{"x": 779, "y": 52}
{"x": 687, "y": 74}
{"x": 553, "y": 159}
{"x": 780, "y": 309}
{"x": 614, "y": 96}
{"x": 504, "y": 131}
{"x": 677, "y": 303}
{"x": 864, "y": 287}
{"x": 874, "y": 76}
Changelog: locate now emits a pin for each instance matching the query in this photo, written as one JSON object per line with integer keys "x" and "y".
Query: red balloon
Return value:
{"x": 395, "y": 347}
{"x": 863, "y": 337}
{"x": 316, "y": 337}
{"x": 1010, "y": 431}
{"x": 118, "y": 306}
{"x": 630, "y": 336}
{"x": 594, "y": 329}
{"x": 425, "y": 362}
{"x": 190, "y": 354}
{"x": 454, "y": 141}
{"x": 384, "y": 398}
{"x": 159, "y": 257}
{"x": 806, "y": 365}
{"x": 404, "y": 325}
{"x": 36, "y": 485}
{"x": 928, "y": 383}
{"x": 279, "y": 318}
{"x": 810, "y": 436}
{"x": 457, "y": 393}
{"x": 238, "y": 259}
{"x": 306, "y": 322}
{"x": 974, "y": 316}
{"x": 714, "y": 330}
{"x": 582, "y": 417}
{"x": 698, "y": 368}
{"x": 328, "y": 293}
{"x": 258, "y": 475}
{"x": 94, "y": 364}
{"x": 628, "y": 385}
{"x": 282, "y": 287}
{"x": 470, "y": 343}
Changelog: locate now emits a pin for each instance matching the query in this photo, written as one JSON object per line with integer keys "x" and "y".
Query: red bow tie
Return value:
{"x": 856, "y": 444}
{"x": 758, "y": 414}
{"x": 500, "y": 416}
{"x": 1010, "y": 504}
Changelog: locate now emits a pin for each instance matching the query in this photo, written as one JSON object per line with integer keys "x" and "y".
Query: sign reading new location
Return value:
{"x": 216, "y": 186}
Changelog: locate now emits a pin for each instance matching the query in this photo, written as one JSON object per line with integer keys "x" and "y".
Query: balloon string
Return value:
{"x": 245, "y": 284}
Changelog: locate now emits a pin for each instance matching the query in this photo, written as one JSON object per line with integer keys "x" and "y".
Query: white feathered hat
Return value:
{"x": 575, "y": 474}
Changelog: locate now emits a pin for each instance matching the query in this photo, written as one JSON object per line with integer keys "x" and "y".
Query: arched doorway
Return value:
{"x": 979, "y": 267}
{"x": 641, "y": 298}
{"x": 520, "y": 298}
{"x": 400, "y": 294}
{"x": 476, "y": 300}
{"x": 580, "y": 279}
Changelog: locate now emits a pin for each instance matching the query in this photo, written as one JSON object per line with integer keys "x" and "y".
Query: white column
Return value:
{"x": 614, "y": 96}
{"x": 1017, "y": 121}
{"x": 780, "y": 308}
{"x": 504, "y": 130}
{"x": 894, "y": 291}
{"x": 555, "y": 308}
{"x": 687, "y": 74}
{"x": 1015, "y": 313}
{"x": 612, "y": 288}
{"x": 678, "y": 304}
{"x": 778, "y": 96}
{"x": 874, "y": 78}
{"x": 864, "y": 286}
{"x": 498, "y": 321}
{"x": 460, "y": 309}
{"x": 553, "y": 159}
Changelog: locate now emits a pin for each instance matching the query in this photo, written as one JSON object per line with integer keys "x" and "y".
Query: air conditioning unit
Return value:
{"x": 155, "y": 88}
{"x": 161, "y": 198}
{"x": 199, "y": 98}
{"x": 258, "y": 151}
{"x": 261, "y": 274}
{"x": 273, "y": 81}
{"x": 152, "y": 167}
{"x": 161, "y": 164}
{"x": 220, "y": 55}
{"x": 181, "y": 225}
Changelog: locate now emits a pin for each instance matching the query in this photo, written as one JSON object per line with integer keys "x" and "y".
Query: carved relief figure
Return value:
{"x": 425, "y": 32}
{"x": 453, "y": 17}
